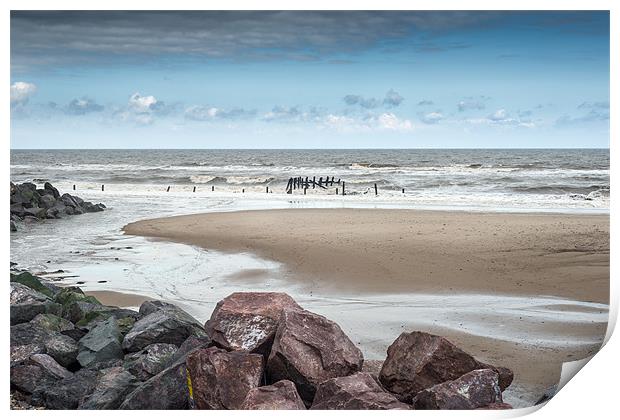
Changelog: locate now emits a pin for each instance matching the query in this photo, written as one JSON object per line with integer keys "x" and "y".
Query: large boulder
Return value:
{"x": 52, "y": 322}
{"x": 47, "y": 201}
{"x": 67, "y": 393}
{"x": 248, "y": 320}
{"x": 149, "y": 361}
{"x": 101, "y": 344}
{"x": 28, "y": 338}
{"x": 35, "y": 283}
{"x": 355, "y": 392}
{"x": 417, "y": 360}
{"x": 38, "y": 369}
{"x": 309, "y": 349}
{"x": 280, "y": 396}
{"x": 476, "y": 389}
{"x": 221, "y": 380}
{"x": 111, "y": 388}
{"x": 191, "y": 343}
{"x": 26, "y": 303}
{"x": 169, "y": 325}
{"x": 165, "y": 391}
{"x": 51, "y": 190}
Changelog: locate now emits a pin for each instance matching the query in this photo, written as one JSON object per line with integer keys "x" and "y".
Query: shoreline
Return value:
{"x": 404, "y": 251}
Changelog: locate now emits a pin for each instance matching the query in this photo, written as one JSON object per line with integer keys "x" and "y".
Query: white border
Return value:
{"x": 591, "y": 395}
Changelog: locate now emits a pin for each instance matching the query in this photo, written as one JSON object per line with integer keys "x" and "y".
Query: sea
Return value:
{"x": 92, "y": 252}
{"x": 471, "y": 179}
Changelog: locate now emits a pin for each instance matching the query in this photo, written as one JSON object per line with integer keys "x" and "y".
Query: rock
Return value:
{"x": 220, "y": 379}
{"x": 73, "y": 294}
{"x": 27, "y": 336}
{"x": 75, "y": 333}
{"x": 280, "y": 396}
{"x": 37, "y": 212}
{"x": 152, "y": 306}
{"x": 356, "y": 392}
{"x": 35, "y": 283}
{"x": 83, "y": 312}
{"x": 51, "y": 190}
{"x": 67, "y": 393}
{"x": 170, "y": 325}
{"x": 38, "y": 369}
{"x": 417, "y": 360}
{"x": 69, "y": 201}
{"x": 248, "y": 320}
{"x": 111, "y": 388}
{"x": 102, "y": 343}
{"x": 165, "y": 391}
{"x": 505, "y": 375}
{"x": 92, "y": 208}
{"x": 52, "y": 322}
{"x": 13, "y": 226}
{"x": 47, "y": 202}
{"x": 191, "y": 343}
{"x": 21, "y": 353}
{"x": 27, "y": 303}
{"x": 478, "y": 388}
{"x": 309, "y": 349}
{"x": 149, "y": 361}
{"x": 496, "y": 406}
{"x": 18, "y": 209}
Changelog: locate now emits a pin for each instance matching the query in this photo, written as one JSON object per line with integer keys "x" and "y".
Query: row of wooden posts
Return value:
{"x": 295, "y": 183}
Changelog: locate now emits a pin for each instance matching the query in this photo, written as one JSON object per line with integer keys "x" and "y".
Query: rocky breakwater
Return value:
{"x": 29, "y": 203}
{"x": 257, "y": 351}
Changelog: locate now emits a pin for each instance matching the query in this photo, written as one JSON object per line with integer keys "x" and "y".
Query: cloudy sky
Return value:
{"x": 309, "y": 79}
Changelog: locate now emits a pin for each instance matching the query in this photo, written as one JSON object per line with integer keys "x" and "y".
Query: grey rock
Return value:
{"x": 13, "y": 226}
{"x": 26, "y": 303}
{"x": 51, "y": 190}
{"x": 165, "y": 391}
{"x": 47, "y": 201}
{"x": 52, "y": 322}
{"x": 149, "y": 361}
{"x": 111, "y": 388}
{"x": 38, "y": 369}
{"x": 102, "y": 343}
{"x": 65, "y": 394}
{"x": 170, "y": 325}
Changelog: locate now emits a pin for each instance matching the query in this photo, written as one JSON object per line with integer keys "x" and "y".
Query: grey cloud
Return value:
{"x": 42, "y": 38}
{"x": 472, "y": 103}
{"x": 425, "y": 102}
{"x": 82, "y": 106}
{"x": 594, "y": 105}
{"x": 431, "y": 117}
{"x": 392, "y": 99}
{"x": 595, "y": 115}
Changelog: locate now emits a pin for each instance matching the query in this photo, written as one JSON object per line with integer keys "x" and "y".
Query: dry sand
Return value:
{"x": 369, "y": 251}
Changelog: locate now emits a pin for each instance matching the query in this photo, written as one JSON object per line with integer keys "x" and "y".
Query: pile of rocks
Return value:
{"x": 258, "y": 351}
{"x": 28, "y": 203}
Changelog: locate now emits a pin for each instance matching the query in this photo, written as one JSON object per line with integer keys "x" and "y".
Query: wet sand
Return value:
{"x": 344, "y": 253}
{"x": 408, "y": 251}
{"x": 123, "y": 300}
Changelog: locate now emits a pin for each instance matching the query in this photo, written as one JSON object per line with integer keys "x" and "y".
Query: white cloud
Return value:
{"x": 390, "y": 121}
{"x": 21, "y": 92}
{"x": 141, "y": 103}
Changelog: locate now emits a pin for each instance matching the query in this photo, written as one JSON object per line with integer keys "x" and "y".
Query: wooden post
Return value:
{"x": 313, "y": 182}
{"x": 212, "y": 187}
{"x": 102, "y": 187}
{"x": 168, "y": 189}
{"x": 336, "y": 191}
{"x": 342, "y": 187}
{"x": 267, "y": 188}
{"x": 243, "y": 190}
{"x": 194, "y": 189}
{"x": 320, "y": 181}
{"x": 305, "y": 188}
{"x": 73, "y": 187}
{"x": 375, "y": 189}
{"x": 403, "y": 190}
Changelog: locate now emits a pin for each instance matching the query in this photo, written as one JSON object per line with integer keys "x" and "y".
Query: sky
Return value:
{"x": 350, "y": 79}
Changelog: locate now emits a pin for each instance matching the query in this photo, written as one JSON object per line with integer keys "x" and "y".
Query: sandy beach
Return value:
{"x": 409, "y": 251}
{"x": 344, "y": 252}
